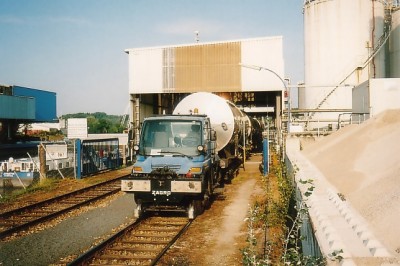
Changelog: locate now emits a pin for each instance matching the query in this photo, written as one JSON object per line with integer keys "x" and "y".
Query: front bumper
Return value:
{"x": 162, "y": 187}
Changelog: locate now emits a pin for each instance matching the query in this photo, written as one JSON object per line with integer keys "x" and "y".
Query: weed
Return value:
{"x": 280, "y": 243}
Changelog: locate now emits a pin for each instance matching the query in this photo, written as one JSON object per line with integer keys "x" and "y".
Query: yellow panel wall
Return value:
{"x": 212, "y": 67}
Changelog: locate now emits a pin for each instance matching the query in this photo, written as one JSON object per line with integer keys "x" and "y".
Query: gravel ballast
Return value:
{"x": 70, "y": 237}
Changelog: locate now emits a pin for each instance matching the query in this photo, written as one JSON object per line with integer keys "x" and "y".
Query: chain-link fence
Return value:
{"x": 62, "y": 159}
{"x": 59, "y": 159}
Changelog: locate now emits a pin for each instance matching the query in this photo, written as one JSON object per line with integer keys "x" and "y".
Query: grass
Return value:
{"x": 268, "y": 216}
{"x": 44, "y": 185}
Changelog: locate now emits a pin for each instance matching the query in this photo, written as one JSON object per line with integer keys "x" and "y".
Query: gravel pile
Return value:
{"x": 363, "y": 163}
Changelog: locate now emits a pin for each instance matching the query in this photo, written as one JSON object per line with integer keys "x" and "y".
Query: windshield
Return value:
{"x": 161, "y": 137}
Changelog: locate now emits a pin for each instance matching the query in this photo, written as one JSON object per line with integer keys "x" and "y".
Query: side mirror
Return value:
{"x": 213, "y": 135}
{"x": 178, "y": 141}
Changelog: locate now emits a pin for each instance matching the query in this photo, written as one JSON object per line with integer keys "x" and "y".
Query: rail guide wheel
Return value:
{"x": 195, "y": 208}
{"x": 137, "y": 212}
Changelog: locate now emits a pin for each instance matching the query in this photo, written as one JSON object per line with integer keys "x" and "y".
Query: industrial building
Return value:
{"x": 352, "y": 73}
{"x": 248, "y": 72}
{"x": 350, "y": 57}
{"x": 22, "y": 105}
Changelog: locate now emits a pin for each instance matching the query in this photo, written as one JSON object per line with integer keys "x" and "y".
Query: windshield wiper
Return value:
{"x": 177, "y": 153}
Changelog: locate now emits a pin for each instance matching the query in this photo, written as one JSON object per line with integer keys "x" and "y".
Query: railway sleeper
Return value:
{"x": 164, "y": 228}
{"x": 125, "y": 257}
{"x": 138, "y": 247}
{"x": 130, "y": 253}
{"x": 151, "y": 241}
{"x": 155, "y": 234}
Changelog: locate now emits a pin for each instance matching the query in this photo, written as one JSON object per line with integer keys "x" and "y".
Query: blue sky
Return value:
{"x": 76, "y": 47}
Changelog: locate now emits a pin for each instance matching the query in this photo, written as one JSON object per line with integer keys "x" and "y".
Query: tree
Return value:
{"x": 99, "y": 122}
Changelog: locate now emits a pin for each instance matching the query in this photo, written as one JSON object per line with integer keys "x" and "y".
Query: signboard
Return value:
{"x": 77, "y": 128}
{"x": 56, "y": 151}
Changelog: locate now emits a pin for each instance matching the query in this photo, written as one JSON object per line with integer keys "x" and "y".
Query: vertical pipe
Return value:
{"x": 78, "y": 159}
{"x": 265, "y": 156}
{"x": 373, "y": 39}
{"x": 244, "y": 142}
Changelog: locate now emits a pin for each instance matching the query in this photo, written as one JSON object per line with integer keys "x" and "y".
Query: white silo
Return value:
{"x": 394, "y": 45}
{"x": 340, "y": 36}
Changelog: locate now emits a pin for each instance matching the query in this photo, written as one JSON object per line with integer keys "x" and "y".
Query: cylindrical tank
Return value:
{"x": 339, "y": 37}
{"x": 394, "y": 45}
{"x": 225, "y": 117}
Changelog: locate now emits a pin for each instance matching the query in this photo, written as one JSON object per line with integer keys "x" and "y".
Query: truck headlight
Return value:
{"x": 195, "y": 169}
{"x": 137, "y": 169}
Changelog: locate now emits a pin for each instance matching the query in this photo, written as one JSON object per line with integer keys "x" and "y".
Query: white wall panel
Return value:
{"x": 376, "y": 96}
{"x": 384, "y": 95}
{"x": 268, "y": 53}
{"x": 145, "y": 71}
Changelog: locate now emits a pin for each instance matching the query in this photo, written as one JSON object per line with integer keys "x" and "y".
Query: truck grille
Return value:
{"x": 172, "y": 167}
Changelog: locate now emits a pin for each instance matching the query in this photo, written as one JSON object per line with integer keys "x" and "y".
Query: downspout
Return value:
{"x": 373, "y": 38}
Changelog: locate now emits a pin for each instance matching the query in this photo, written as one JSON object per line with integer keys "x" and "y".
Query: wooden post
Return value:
{"x": 42, "y": 161}
{"x": 124, "y": 155}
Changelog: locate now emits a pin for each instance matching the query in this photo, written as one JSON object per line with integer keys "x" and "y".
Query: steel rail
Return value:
{"x": 53, "y": 201}
{"x": 99, "y": 250}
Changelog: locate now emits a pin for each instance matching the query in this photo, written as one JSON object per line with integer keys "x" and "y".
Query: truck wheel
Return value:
{"x": 206, "y": 201}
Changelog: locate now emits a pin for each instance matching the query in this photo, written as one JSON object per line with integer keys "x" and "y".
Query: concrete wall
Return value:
{"x": 376, "y": 95}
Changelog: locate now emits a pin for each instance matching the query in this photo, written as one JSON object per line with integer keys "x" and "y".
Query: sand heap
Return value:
{"x": 363, "y": 163}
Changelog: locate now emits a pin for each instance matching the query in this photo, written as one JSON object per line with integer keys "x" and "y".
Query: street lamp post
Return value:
{"x": 289, "y": 104}
{"x": 259, "y": 68}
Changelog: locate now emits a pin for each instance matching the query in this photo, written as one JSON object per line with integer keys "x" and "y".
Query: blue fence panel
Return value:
{"x": 99, "y": 155}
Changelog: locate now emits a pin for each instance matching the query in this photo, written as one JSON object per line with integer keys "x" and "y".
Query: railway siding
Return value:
{"x": 21, "y": 219}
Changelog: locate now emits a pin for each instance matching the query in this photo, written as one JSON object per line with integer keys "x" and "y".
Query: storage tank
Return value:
{"x": 394, "y": 45}
{"x": 225, "y": 117}
{"x": 339, "y": 36}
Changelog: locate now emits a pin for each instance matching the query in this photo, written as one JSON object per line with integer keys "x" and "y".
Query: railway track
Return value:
{"x": 140, "y": 243}
{"x": 20, "y": 219}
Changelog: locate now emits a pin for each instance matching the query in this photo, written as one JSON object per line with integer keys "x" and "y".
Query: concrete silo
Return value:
{"x": 394, "y": 45}
{"x": 342, "y": 49}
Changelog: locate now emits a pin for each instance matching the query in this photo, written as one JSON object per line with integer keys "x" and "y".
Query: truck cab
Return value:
{"x": 176, "y": 164}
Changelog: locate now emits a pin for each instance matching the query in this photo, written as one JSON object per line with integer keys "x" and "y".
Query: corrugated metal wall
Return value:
{"x": 17, "y": 107}
{"x": 45, "y": 110}
{"x": 212, "y": 67}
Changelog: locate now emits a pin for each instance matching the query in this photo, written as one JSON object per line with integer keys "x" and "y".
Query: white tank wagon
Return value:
{"x": 229, "y": 123}
{"x": 342, "y": 41}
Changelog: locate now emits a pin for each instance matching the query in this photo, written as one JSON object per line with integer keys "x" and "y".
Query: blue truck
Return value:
{"x": 183, "y": 157}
